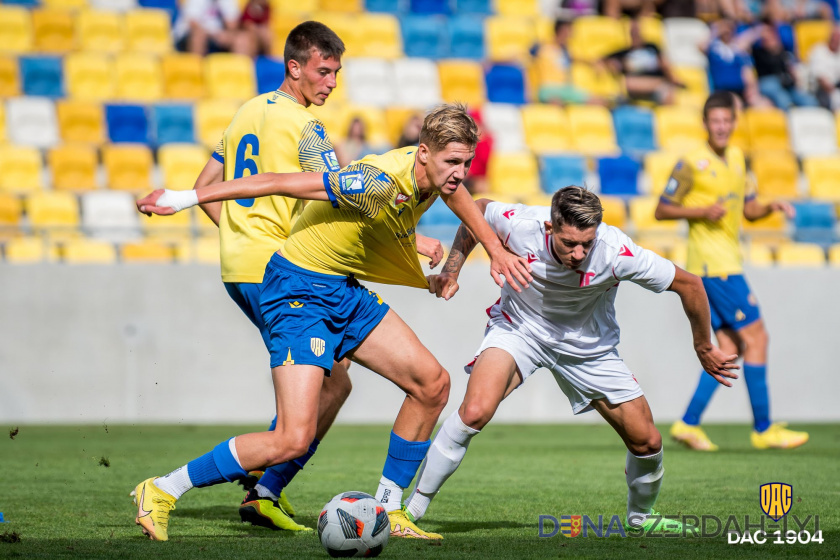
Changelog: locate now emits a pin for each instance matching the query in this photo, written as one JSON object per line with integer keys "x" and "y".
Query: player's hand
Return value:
{"x": 430, "y": 247}
{"x": 718, "y": 365}
{"x": 443, "y": 285}
{"x": 165, "y": 202}
{"x": 784, "y": 206}
{"x": 715, "y": 212}
{"x": 515, "y": 269}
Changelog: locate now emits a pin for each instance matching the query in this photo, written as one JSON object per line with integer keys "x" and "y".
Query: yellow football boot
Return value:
{"x": 265, "y": 512}
{"x": 777, "y": 436}
{"x": 692, "y": 437}
{"x": 153, "y": 507}
{"x": 402, "y": 525}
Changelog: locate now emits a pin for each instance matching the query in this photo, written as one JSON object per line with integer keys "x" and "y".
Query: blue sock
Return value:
{"x": 215, "y": 467}
{"x": 404, "y": 458}
{"x": 273, "y": 424}
{"x": 702, "y": 395}
{"x": 756, "y": 378}
{"x": 276, "y": 478}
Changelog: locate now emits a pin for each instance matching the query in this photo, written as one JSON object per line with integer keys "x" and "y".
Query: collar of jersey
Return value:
{"x": 282, "y": 93}
{"x": 714, "y": 155}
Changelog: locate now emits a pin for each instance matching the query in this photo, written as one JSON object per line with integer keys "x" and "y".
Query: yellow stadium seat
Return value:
{"x": 615, "y": 211}
{"x": 508, "y": 38}
{"x": 740, "y": 135}
{"x": 538, "y": 199}
{"x": 15, "y": 29}
{"x": 767, "y": 129}
{"x": 594, "y": 37}
{"x": 346, "y": 6}
{"x": 776, "y": 174}
{"x": 283, "y": 24}
{"x": 382, "y": 37}
{"x": 285, "y": 7}
{"x": 759, "y": 254}
{"x": 823, "y": 174}
{"x": 52, "y": 210}
{"x": 22, "y": 168}
{"x": 11, "y": 210}
{"x": 462, "y": 81}
{"x": 65, "y": 4}
{"x": 770, "y": 229}
{"x": 809, "y": 33}
{"x": 148, "y": 31}
{"x": 230, "y": 76}
{"x": 652, "y": 28}
{"x": 515, "y": 175}
{"x": 81, "y": 121}
{"x": 9, "y": 77}
{"x": 546, "y": 129}
{"x": 591, "y": 130}
{"x": 203, "y": 224}
{"x": 834, "y": 255}
{"x": 345, "y": 26}
{"x": 802, "y": 255}
{"x": 659, "y": 166}
{"x": 206, "y": 250}
{"x": 212, "y": 117}
{"x": 183, "y": 76}
{"x": 29, "y": 250}
{"x": 642, "y": 210}
{"x": 139, "y": 77}
{"x": 679, "y": 129}
{"x": 73, "y": 167}
{"x": 176, "y": 227}
{"x": 89, "y": 76}
{"x": 100, "y": 31}
{"x": 395, "y": 121}
{"x": 88, "y": 251}
{"x": 697, "y": 86}
{"x": 530, "y": 8}
{"x": 181, "y": 164}
{"x": 146, "y": 251}
{"x": 598, "y": 82}
{"x": 128, "y": 167}
{"x": 53, "y": 30}
{"x": 374, "y": 119}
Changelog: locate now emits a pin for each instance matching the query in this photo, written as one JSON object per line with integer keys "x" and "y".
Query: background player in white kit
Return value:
{"x": 566, "y": 322}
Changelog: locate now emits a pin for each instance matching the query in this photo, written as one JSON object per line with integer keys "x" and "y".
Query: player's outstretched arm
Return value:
{"x": 696, "y": 305}
{"x": 755, "y": 210}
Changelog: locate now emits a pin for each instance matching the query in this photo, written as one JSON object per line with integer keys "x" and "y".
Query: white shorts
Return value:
{"x": 581, "y": 379}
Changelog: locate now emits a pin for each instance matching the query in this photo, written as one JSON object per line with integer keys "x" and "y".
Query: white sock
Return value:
{"x": 175, "y": 483}
{"x": 446, "y": 453}
{"x": 389, "y": 494}
{"x": 644, "y": 477}
{"x": 232, "y": 447}
{"x": 264, "y": 492}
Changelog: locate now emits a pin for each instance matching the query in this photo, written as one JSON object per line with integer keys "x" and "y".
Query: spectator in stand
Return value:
{"x": 410, "y": 135}
{"x": 795, "y": 10}
{"x": 730, "y": 65}
{"x": 775, "y": 69}
{"x": 678, "y": 8}
{"x": 254, "y": 32}
{"x": 206, "y": 26}
{"x": 824, "y": 66}
{"x": 355, "y": 145}
{"x": 476, "y": 179}
{"x": 632, "y": 8}
{"x": 554, "y": 69}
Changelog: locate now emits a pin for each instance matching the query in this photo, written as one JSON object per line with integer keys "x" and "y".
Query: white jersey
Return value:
{"x": 571, "y": 311}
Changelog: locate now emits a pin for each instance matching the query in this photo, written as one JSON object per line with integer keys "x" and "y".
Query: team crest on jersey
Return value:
{"x": 351, "y": 182}
{"x": 702, "y": 165}
{"x": 509, "y": 214}
{"x": 671, "y": 187}
{"x": 401, "y": 198}
{"x": 317, "y": 345}
{"x": 330, "y": 160}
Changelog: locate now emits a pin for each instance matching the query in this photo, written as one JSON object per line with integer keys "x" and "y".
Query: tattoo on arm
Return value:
{"x": 463, "y": 244}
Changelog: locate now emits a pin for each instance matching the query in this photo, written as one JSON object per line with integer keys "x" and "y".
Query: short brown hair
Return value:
{"x": 310, "y": 34}
{"x": 719, "y": 100}
{"x": 446, "y": 124}
{"x": 577, "y": 207}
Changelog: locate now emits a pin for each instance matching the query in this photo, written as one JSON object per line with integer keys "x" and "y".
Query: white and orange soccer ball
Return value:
{"x": 353, "y": 524}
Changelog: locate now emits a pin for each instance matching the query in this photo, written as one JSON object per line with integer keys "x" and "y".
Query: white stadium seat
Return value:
{"x": 369, "y": 81}
{"x": 32, "y": 121}
{"x": 812, "y": 131}
{"x": 110, "y": 215}
{"x": 505, "y": 124}
{"x": 682, "y": 36}
{"x": 417, "y": 83}
{"x": 113, "y": 5}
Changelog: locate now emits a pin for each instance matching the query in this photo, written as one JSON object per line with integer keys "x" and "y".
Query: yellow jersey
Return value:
{"x": 270, "y": 133}
{"x": 700, "y": 179}
{"x": 367, "y": 228}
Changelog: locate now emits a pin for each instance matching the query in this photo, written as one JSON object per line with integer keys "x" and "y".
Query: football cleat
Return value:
{"x": 286, "y": 504}
{"x": 402, "y": 525}
{"x": 265, "y": 512}
{"x": 777, "y": 436}
{"x": 656, "y": 524}
{"x": 153, "y": 507}
{"x": 692, "y": 437}
{"x": 248, "y": 482}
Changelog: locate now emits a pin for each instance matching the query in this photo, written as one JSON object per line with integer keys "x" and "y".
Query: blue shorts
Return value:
{"x": 314, "y": 318}
{"x": 247, "y": 297}
{"x": 731, "y": 301}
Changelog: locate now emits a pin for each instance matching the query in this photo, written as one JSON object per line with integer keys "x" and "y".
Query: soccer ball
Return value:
{"x": 353, "y": 524}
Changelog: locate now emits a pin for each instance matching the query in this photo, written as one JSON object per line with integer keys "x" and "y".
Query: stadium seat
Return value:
{"x": 425, "y": 36}
{"x": 146, "y": 251}
{"x": 740, "y": 135}
{"x": 174, "y": 124}
{"x": 127, "y": 123}
{"x": 658, "y": 166}
{"x": 683, "y": 37}
{"x": 429, "y": 6}
{"x": 176, "y": 227}
{"x": 619, "y": 175}
{"x": 472, "y": 7}
{"x": 22, "y": 169}
{"x": 462, "y": 81}
{"x": 375, "y": 125}
{"x": 615, "y": 211}
{"x": 345, "y": 26}
{"x": 110, "y": 215}
{"x": 767, "y": 129}
{"x": 807, "y": 34}
{"x": 128, "y": 167}
{"x": 381, "y": 36}
{"x": 509, "y": 38}
{"x": 546, "y": 129}
{"x": 679, "y": 129}
{"x": 89, "y": 76}
{"x": 71, "y": 5}
{"x": 505, "y": 124}
{"x": 652, "y": 30}
{"x": 513, "y": 174}
{"x": 800, "y": 255}
{"x": 31, "y": 121}
{"x": 557, "y": 172}
{"x": 230, "y": 76}
{"x": 834, "y": 255}
{"x": 642, "y": 209}
{"x": 203, "y": 224}
{"x": 206, "y": 250}
{"x": 594, "y": 37}
{"x": 770, "y": 229}
{"x": 181, "y": 164}
{"x": 15, "y": 29}
{"x": 3, "y": 137}
{"x": 42, "y": 76}
{"x": 347, "y": 6}
{"x": 369, "y": 81}
{"x": 169, "y": 6}
{"x": 183, "y": 76}
{"x": 758, "y": 254}
{"x": 73, "y": 167}
{"x": 812, "y": 131}
{"x": 597, "y": 82}
{"x": 88, "y": 251}
{"x": 696, "y": 81}
{"x": 100, "y": 31}
{"x": 466, "y": 37}
{"x": 396, "y": 119}
{"x": 115, "y": 5}
{"x": 29, "y": 250}
{"x": 212, "y": 117}
{"x": 386, "y": 6}
{"x": 505, "y": 84}
{"x": 823, "y": 174}
{"x": 634, "y": 130}
{"x": 270, "y": 73}
{"x": 814, "y": 223}
{"x": 776, "y": 174}
{"x": 281, "y": 26}
{"x": 592, "y": 130}
{"x": 81, "y": 121}
{"x": 139, "y": 78}
{"x": 53, "y": 30}
{"x": 416, "y": 83}
{"x": 530, "y": 8}
{"x": 9, "y": 77}
{"x": 11, "y": 211}
{"x": 57, "y": 212}
{"x": 148, "y": 31}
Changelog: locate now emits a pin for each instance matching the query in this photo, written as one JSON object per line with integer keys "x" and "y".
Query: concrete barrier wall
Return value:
{"x": 130, "y": 343}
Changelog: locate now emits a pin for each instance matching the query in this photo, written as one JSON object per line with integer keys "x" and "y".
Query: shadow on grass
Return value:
{"x": 469, "y": 526}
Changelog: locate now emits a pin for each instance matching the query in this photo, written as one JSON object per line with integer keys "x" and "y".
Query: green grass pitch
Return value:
{"x": 61, "y": 502}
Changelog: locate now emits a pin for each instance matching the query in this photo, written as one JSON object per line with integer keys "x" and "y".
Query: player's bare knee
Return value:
{"x": 288, "y": 445}
{"x": 434, "y": 392}
{"x": 475, "y": 414}
{"x": 643, "y": 446}
{"x": 757, "y": 339}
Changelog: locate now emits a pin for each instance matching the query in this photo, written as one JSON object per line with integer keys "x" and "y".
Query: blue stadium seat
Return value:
{"x": 634, "y": 130}
{"x": 557, "y": 172}
{"x": 27, "y": 3}
{"x": 619, "y": 175}
{"x": 425, "y": 36}
{"x": 466, "y": 37}
{"x": 127, "y": 123}
{"x": 430, "y": 6}
{"x": 815, "y": 223}
{"x": 505, "y": 84}
{"x": 474, "y": 7}
{"x": 42, "y": 75}
{"x": 174, "y": 124}
{"x": 270, "y": 73}
{"x": 439, "y": 222}
{"x": 387, "y": 6}
{"x": 170, "y": 6}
